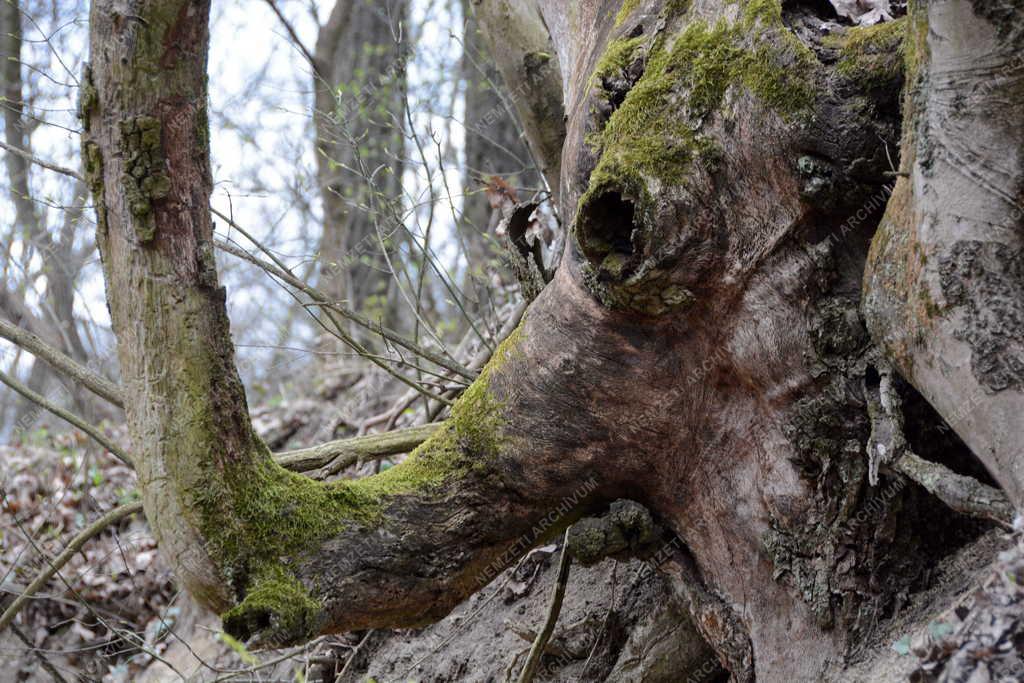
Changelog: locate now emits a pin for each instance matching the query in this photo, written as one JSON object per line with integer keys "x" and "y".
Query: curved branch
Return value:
{"x": 67, "y": 416}
{"x": 61, "y": 362}
{"x": 72, "y": 548}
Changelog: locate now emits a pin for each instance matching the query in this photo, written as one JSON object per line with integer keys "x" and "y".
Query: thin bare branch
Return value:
{"x": 322, "y": 299}
{"x": 533, "y": 661}
{"x": 61, "y": 362}
{"x": 76, "y": 544}
{"x": 67, "y": 416}
{"x": 39, "y": 162}
{"x": 295, "y": 37}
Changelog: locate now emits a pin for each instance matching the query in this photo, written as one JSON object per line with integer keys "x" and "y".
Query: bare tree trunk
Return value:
{"x": 359, "y": 81}
{"x": 700, "y": 350}
{"x": 25, "y": 214}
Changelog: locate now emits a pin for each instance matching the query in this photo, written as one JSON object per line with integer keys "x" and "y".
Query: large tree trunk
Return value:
{"x": 945, "y": 282}
{"x": 700, "y": 350}
{"x": 359, "y": 81}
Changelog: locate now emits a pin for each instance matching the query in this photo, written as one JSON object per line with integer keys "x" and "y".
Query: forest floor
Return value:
{"x": 116, "y": 616}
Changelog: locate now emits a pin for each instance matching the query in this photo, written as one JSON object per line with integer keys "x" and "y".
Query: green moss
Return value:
{"x": 144, "y": 179}
{"x": 872, "y": 55}
{"x": 628, "y": 7}
{"x": 654, "y": 134}
{"x": 619, "y": 55}
{"x": 266, "y": 519}
{"x": 915, "y": 47}
{"x": 276, "y": 603}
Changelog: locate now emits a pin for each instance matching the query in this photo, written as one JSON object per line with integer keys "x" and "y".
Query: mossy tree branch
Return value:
{"x": 708, "y": 370}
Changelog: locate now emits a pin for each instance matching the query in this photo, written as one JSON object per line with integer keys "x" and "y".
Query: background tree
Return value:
{"x": 360, "y": 85}
{"x": 494, "y": 147}
{"x": 56, "y": 255}
{"x": 701, "y": 350}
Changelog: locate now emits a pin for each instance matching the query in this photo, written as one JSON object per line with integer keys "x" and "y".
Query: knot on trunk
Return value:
{"x": 626, "y": 530}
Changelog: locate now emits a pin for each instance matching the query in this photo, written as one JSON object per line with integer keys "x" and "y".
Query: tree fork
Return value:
{"x": 699, "y": 351}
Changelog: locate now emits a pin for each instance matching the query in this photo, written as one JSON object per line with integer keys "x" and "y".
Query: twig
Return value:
{"x": 112, "y": 517}
{"x": 537, "y": 651}
{"x": 295, "y": 37}
{"x": 43, "y": 661}
{"x": 39, "y": 162}
{"x": 61, "y": 362}
{"x": 269, "y": 663}
{"x": 352, "y": 657}
{"x": 92, "y": 431}
{"x": 963, "y": 494}
{"x": 323, "y": 300}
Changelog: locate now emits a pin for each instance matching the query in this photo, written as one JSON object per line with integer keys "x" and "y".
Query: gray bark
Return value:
{"x": 944, "y": 290}
{"x": 359, "y": 81}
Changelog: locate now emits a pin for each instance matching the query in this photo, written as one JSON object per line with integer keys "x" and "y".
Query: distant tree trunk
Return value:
{"x": 701, "y": 349}
{"x": 25, "y": 215}
{"x": 494, "y": 146}
{"x": 359, "y": 81}
{"x": 56, "y": 321}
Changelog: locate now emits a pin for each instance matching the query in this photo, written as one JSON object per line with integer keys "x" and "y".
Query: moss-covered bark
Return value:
{"x": 699, "y": 353}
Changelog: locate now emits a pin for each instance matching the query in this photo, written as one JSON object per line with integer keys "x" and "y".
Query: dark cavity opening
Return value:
{"x": 607, "y": 225}
{"x": 933, "y": 438}
{"x": 822, "y": 9}
{"x": 244, "y": 626}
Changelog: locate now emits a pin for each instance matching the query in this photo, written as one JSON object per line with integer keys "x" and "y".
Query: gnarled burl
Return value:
{"x": 701, "y": 350}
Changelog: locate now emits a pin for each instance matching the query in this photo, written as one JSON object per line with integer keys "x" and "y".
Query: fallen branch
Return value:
{"x": 335, "y": 456}
{"x": 963, "y": 494}
{"x": 43, "y": 661}
{"x": 61, "y": 362}
{"x": 537, "y": 651}
{"x": 76, "y": 544}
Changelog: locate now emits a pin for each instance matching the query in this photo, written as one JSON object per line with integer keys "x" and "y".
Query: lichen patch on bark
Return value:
{"x": 145, "y": 177}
